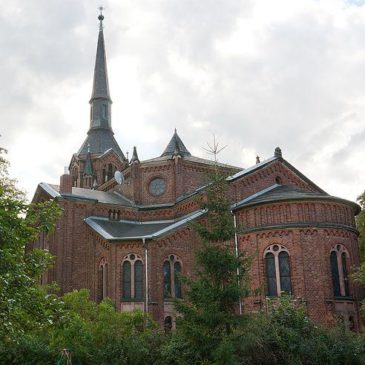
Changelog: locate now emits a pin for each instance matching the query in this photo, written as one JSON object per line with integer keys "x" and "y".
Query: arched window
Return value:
{"x": 132, "y": 277}
{"x": 277, "y": 270}
{"x": 171, "y": 271}
{"x": 167, "y": 279}
{"x": 127, "y": 280}
{"x": 339, "y": 273}
{"x": 102, "y": 280}
{"x": 138, "y": 279}
{"x": 177, "y": 284}
{"x": 168, "y": 324}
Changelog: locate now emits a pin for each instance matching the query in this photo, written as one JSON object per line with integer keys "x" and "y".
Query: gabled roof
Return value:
{"x": 122, "y": 230}
{"x": 277, "y": 157}
{"x": 176, "y": 146}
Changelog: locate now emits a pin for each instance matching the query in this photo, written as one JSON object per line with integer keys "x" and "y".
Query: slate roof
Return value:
{"x": 132, "y": 230}
{"x": 88, "y": 194}
{"x": 176, "y": 145}
{"x": 100, "y": 140}
{"x": 100, "y": 84}
{"x": 192, "y": 159}
{"x": 277, "y": 193}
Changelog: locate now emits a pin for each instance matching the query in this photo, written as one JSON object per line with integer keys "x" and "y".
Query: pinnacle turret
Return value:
{"x": 176, "y": 145}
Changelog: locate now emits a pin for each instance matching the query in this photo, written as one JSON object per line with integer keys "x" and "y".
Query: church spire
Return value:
{"x": 100, "y": 98}
{"x": 100, "y": 136}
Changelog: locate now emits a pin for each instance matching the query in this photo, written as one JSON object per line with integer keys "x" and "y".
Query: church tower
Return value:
{"x": 100, "y": 155}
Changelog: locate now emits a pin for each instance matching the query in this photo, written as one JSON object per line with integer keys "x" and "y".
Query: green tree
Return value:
{"x": 98, "y": 334}
{"x": 24, "y": 305}
{"x": 286, "y": 336}
{"x": 208, "y": 313}
{"x": 360, "y": 223}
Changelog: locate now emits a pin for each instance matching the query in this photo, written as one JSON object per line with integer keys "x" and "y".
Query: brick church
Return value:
{"x": 125, "y": 231}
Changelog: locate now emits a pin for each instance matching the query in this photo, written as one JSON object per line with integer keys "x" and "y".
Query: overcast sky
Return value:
{"x": 258, "y": 74}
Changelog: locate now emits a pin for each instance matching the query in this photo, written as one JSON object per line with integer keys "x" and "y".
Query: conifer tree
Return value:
{"x": 208, "y": 315}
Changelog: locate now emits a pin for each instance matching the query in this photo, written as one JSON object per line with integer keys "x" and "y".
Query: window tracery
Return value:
{"x": 339, "y": 273}
{"x": 171, "y": 269}
{"x": 277, "y": 270}
{"x": 132, "y": 277}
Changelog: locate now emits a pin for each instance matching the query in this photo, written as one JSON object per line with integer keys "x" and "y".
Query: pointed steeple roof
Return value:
{"x": 175, "y": 146}
{"x": 100, "y": 84}
{"x": 100, "y": 136}
{"x": 135, "y": 155}
{"x": 88, "y": 171}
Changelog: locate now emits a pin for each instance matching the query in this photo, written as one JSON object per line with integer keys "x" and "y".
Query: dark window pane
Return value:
{"x": 100, "y": 284}
{"x": 284, "y": 270}
{"x": 126, "y": 290}
{"x": 335, "y": 275}
{"x": 271, "y": 275}
{"x": 167, "y": 279}
{"x": 138, "y": 280}
{"x": 168, "y": 324}
{"x": 345, "y": 275}
{"x": 177, "y": 283}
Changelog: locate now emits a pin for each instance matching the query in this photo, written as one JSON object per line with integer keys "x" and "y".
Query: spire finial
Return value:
{"x": 175, "y": 131}
{"x": 101, "y": 18}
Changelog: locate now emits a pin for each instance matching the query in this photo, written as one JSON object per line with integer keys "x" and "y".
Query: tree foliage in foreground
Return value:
{"x": 24, "y": 305}
{"x": 95, "y": 334}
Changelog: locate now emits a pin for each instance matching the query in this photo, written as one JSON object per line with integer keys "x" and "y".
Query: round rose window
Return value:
{"x": 157, "y": 186}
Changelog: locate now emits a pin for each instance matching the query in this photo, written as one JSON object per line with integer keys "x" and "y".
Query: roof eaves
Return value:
{"x": 48, "y": 189}
{"x": 69, "y": 196}
{"x": 302, "y": 176}
{"x": 175, "y": 225}
{"x": 124, "y": 197}
{"x": 179, "y": 223}
{"x": 252, "y": 168}
{"x": 96, "y": 227}
{"x": 253, "y": 196}
{"x": 301, "y": 198}
{"x": 106, "y": 152}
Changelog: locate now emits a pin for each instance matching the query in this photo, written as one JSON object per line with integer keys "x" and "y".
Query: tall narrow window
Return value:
{"x": 132, "y": 277}
{"x": 171, "y": 270}
{"x": 335, "y": 275}
{"x": 102, "y": 280}
{"x": 271, "y": 275}
{"x": 340, "y": 277}
{"x": 127, "y": 282}
{"x": 167, "y": 279}
{"x": 177, "y": 269}
{"x": 284, "y": 272}
{"x": 138, "y": 280}
{"x": 277, "y": 270}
